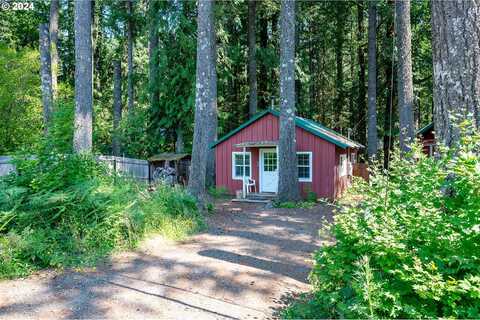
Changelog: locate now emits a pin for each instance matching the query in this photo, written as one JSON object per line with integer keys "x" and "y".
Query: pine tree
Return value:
{"x": 46, "y": 75}
{"x": 287, "y": 164}
{"x": 372, "y": 80}
{"x": 456, "y": 61}
{"x": 252, "y": 60}
{"x": 204, "y": 100}
{"x": 404, "y": 74}
{"x": 53, "y": 29}
{"x": 117, "y": 106}
{"x": 82, "y": 137}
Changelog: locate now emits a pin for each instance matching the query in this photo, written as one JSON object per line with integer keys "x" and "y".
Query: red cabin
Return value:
{"x": 247, "y": 157}
{"x": 427, "y": 138}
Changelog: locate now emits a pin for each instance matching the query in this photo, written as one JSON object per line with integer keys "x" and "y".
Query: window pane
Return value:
{"x": 304, "y": 172}
{"x": 303, "y": 159}
{"x": 269, "y": 161}
{"x": 238, "y": 171}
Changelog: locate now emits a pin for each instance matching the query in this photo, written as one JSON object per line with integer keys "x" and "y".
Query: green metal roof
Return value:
{"x": 307, "y": 125}
{"x": 426, "y": 128}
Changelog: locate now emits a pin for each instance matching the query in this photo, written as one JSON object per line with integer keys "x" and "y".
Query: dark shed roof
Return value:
{"x": 310, "y": 126}
{"x": 425, "y": 129}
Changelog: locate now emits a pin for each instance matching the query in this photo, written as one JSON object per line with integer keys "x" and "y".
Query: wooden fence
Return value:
{"x": 134, "y": 168}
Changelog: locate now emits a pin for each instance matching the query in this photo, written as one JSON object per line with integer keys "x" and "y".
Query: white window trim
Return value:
{"x": 233, "y": 165}
{"x": 310, "y": 162}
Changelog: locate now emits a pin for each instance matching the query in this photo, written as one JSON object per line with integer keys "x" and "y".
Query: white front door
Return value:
{"x": 268, "y": 170}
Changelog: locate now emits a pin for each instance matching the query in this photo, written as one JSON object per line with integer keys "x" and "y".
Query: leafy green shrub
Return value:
{"x": 293, "y": 205}
{"x": 65, "y": 210}
{"x": 409, "y": 249}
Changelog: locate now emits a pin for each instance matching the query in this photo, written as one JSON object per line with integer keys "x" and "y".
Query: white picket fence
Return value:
{"x": 134, "y": 168}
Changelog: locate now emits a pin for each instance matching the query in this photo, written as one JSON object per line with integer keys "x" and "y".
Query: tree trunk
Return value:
{"x": 404, "y": 74}
{"x": 130, "y": 92}
{"x": 153, "y": 54}
{"x": 53, "y": 29}
{"x": 82, "y": 137}
{"x": 252, "y": 60}
{"x": 361, "y": 102}
{"x": 117, "y": 105}
{"x": 372, "y": 81}
{"x": 339, "y": 41}
{"x": 287, "y": 164}
{"x": 263, "y": 74}
{"x": 456, "y": 67}
{"x": 212, "y": 110}
{"x": 388, "y": 138}
{"x": 46, "y": 75}
{"x": 179, "y": 143}
{"x": 203, "y": 100}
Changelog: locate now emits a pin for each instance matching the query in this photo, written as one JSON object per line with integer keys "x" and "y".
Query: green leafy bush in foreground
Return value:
{"x": 409, "y": 249}
{"x": 66, "y": 210}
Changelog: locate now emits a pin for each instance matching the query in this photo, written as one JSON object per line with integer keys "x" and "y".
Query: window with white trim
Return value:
{"x": 342, "y": 168}
{"x": 238, "y": 166}
{"x": 304, "y": 164}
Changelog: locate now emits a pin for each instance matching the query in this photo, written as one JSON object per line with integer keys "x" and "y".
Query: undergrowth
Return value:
{"x": 63, "y": 210}
{"x": 409, "y": 249}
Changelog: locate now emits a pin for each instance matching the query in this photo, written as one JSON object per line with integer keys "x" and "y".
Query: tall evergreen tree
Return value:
{"x": 360, "y": 124}
{"x": 252, "y": 60}
{"x": 404, "y": 73}
{"x": 82, "y": 137}
{"x": 46, "y": 75}
{"x": 117, "y": 106}
{"x": 130, "y": 40}
{"x": 53, "y": 29}
{"x": 203, "y": 99}
{"x": 372, "y": 80}
{"x": 287, "y": 164}
{"x": 153, "y": 53}
{"x": 456, "y": 63}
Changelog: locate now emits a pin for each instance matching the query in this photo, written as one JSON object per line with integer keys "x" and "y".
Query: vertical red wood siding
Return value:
{"x": 325, "y": 157}
{"x": 427, "y": 139}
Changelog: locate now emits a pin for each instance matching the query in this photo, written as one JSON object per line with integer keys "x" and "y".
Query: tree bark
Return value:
{"x": 203, "y": 100}
{"x": 404, "y": 74}
{"x": 212, "y": 113}
{"x": 117, "y": 105}
{"x": 252, "y": 60}
{"x": 53, "y": 29}
{"x": 361, "y": 100}
{"x": 287, "y": 164}
{"x": 130, "y": 91}
{"x": 388, "y": 138}
{"x": 339, "y": 41}
{"x": 263, "y": 74}
{"x": 46, "y": 75}
{"x": 372, "y": 81}
{"x": 82, "y": 137}
{"x": 153, "y": 54}
{"x": 456, "y": 67}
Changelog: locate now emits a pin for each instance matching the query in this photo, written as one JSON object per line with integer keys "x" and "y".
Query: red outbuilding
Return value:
{"x": 427, "y": 138}
{"x": 247, "y": 157}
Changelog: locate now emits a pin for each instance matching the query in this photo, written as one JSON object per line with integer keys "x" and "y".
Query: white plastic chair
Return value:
{"x": 248, "y": 184}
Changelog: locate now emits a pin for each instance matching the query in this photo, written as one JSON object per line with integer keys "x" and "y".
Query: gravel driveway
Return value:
{"x": 245, "y": 266}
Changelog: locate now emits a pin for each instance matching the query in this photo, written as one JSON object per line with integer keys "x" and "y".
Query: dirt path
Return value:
{"x": 244, "y": 266}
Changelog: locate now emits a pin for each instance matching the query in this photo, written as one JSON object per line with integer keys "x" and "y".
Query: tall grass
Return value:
{"x": 63, "y": 210}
